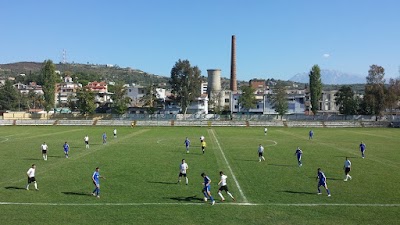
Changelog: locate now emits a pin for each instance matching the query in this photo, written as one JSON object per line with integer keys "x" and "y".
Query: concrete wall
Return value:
{"x": 201, "y": 123}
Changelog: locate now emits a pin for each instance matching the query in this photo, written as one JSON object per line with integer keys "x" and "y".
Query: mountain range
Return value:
{"x": 331, "y": 77}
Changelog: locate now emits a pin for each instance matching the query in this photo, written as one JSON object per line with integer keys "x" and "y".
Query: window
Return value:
{"x": 227, "y": 100}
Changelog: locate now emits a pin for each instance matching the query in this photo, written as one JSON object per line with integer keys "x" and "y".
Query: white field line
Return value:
{"x": 346, "y": 150}
{"x": 274, "y": 143}
{"x": 229, "y": 167}
{"x": 4, "y": 139}
{"x": 192, "y": 203}
{"x": 82, "y": 154}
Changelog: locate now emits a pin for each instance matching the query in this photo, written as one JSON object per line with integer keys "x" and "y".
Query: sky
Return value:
{"x": 274, "y": 39}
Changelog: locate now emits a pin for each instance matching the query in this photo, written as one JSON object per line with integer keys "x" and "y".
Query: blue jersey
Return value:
{"x": 311, "y": 133}
{"x": 96, "y": 177}
{"x": 362, "y": 147}
{"x": 187, "y": 142}
{"x": 207, "y": 181}
{"x": 66, "y": 147}
{"x": 104, "y": 136}
{"x": 299, "y": 153}
{"x": 321, "y": 177}
{"x": 207, "y": 186}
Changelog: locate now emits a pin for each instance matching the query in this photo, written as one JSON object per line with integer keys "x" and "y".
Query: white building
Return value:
{"x": 199, "y": 106}
{"x": 66, "y": 90}
{"x": 25, "y": 89}
{"x": 136, "y": 93}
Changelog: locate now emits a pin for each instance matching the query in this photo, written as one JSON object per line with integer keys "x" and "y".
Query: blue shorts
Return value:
{"x": 321, "y": 184}
{"x": 207, "y": 188}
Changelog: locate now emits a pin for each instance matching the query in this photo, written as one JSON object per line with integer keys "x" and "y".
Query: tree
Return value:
{"x": 120, "y": 100}
{"x": 185, "y": 83}
{"x": 247, "y": 99}
{"x": 315, "y": 87}
{"x": 393, "y": 94}
{"x": 279, "y": 99}
{"x": 374, "y": 98}
{"x": 150, "y": 98}
{"x": 71, "y": 102}
{"x": 34, "y": 100}
{"x": 49, "y": 78}
{"x": 85, "y": 101}
{"x": 216, "y": 101}
{"x": 348, "y": 104}
{"x": 9, "y": 97}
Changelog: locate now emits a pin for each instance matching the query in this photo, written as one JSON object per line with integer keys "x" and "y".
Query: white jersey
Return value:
{"x": 44, "y": 147}
{"x": 183, "y": 167}
{"x": 347, "y": 164}
{"x": 223, "y": 180}
{"x": 260, "y": 149}
{"x": 202, "y": 138}
{"x": 265, "y": 130}
{"x": 115, "y": 131}
{"x": 31, "y": 172}
{"x": 86, "y": 138}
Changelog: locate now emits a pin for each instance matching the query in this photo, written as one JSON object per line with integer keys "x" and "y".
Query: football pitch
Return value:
{"x": 141, "y": 168}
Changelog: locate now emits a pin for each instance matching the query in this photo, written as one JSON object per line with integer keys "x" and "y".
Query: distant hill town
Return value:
{"x": 128, "y": 75}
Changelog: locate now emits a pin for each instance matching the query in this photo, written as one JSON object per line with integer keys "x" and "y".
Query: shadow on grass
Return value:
{"x": 328, "y": 178}
{"x": 300, "y": 192}
{"x": 32, "y": 159}
{"x": 55, "y": 156}
{"x": 187, "y": 199}
{"x": 331, "y": 178}
{"x": 14, "y": 188}
{"x": 161, "y": 182}
{"x": 76, "y": 193}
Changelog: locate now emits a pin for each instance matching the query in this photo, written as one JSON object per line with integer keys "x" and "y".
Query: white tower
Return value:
{"x": 215, "y": 94}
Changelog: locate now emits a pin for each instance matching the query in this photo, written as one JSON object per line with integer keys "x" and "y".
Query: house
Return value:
{"x": 100, "y": 89}
{"x": 66, "y": 90}
{"x": 137, "y": 92}
{"x": 32, "y": 86}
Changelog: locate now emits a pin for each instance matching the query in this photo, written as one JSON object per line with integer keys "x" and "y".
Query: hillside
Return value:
{"x": 88, "y": 72}
{"x": 331, "y": 77}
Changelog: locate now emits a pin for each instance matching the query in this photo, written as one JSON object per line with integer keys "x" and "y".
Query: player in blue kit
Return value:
{"x": 207, "y": 188}
{"x": 299, "y": 153}
{"x": 322, "y": 182}
{"x": 66, "y": 149}
{"x": 96, "y": 181}
{"x": 362, "y": 149}
{"x": 310, "y": 134}
{"x": 187, "y": 144}
{"x": 104, "y": 138}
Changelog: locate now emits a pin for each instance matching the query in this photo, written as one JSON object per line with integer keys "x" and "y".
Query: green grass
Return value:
{"x": 141, "y": 167}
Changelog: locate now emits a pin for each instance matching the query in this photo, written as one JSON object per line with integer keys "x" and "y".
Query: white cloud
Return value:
{"x": 326, "y": 55}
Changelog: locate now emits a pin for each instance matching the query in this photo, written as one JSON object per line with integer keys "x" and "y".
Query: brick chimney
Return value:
{"x": 233, "y": 85}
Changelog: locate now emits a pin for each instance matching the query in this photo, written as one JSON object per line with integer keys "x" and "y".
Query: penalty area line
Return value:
{"x": 229, "y": 167}
{"x": 118, "y": 204}
{"x": 198, "y": 203}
